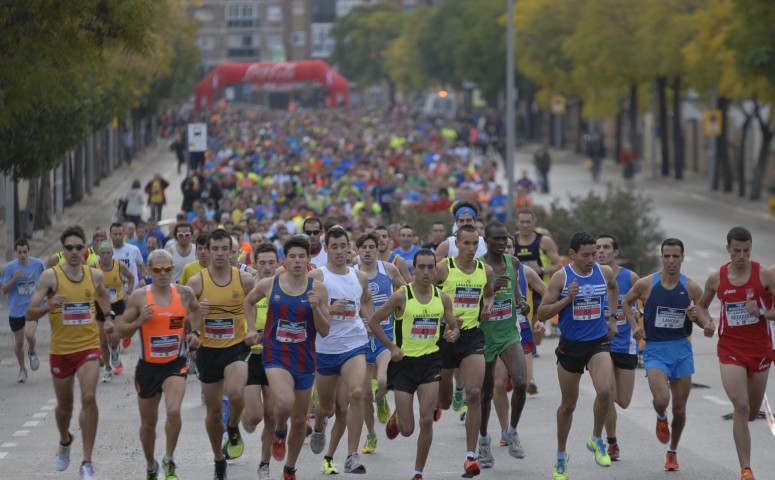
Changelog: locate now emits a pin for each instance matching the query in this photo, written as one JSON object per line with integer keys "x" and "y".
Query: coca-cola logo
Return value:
{"x": 270, "y": 72}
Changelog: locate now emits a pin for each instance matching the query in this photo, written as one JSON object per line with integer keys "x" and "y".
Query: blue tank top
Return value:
{"x": 381, "y": 288}
{"x": 522, "y": 321}
{"x": 584, "y": 319}
{"x": 408, "y": 256}
{"x": 623, "y": 341}
{"x": 665, "y": 312}
{"x": 289, "y": 333}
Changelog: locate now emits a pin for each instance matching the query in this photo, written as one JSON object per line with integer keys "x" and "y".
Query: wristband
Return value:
{"x": 197, "y": 333}
{"x": 762, "y": 312}
{"x": 111, "y": 314}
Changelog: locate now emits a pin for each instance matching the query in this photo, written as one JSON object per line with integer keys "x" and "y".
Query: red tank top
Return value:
{"x": 740, "y": 332}
{"x": 162, "y": 334}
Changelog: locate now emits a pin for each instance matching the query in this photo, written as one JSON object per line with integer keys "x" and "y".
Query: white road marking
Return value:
{"x": 716, "y": 400}
{"x": 3, "y": 455}
{"x": 21, "y": 433}
{"x": 48, "y": 407}
{"x": 39, "y": 415}
{"x": 8, "y": 445}
{"x": 31, "y": 423}
{"x": 52, "y": 400}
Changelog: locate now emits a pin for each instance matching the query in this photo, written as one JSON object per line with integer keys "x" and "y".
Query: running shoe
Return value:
{"x": 22, "y": 377}
{"x": 437, "y": 414}
{"x": 317, "y": 440}
{"x": 289, "y": 474}
{"x": 233, "y": 446}
{"x": 353, "y": 464}
{"x": 601, "y": 453}
{"x": 263, "y": 472}
{"x": 152, "y": 474}
{"x": 613, "y": 452}
{"x": 515, "y": 446}
{"x": 374, "y": 387}
{"x": 383, "y": 410}
{"x": 472, "y": 467}
{"x": 87, "y": 471}
{"x": 220, "y": 470}
{"x": 247, "y": 426}
{"x": 746, "y": 474}
{"x": 34, "y": 361}
{"x": 417, "y": 476}
{"x": 278, "y": 445}
{"x": 509, "y": 385}
{"x": 485, "y": 458}
{"x": 118, "y": 369}
{"x": 463, "y": 413}
{"x": 663, "y": 431}
{"x": 391, "y": 427}
{"x": 62, "y": 458}
{"x": 169, "y": 470}
{"x": 328, "y": 467}
{"x": 561, "y": 468}
{"x": 115, "y": 356}
{"x": 671, "y": 461}
{"x": 457, "y": 399}
{"x": 126, "y": 342}
{"x": 504, "y": 442}
{"x": 371, "y": 444}
{"x": 309, "y": 427}
{"x": 532, "y": 388}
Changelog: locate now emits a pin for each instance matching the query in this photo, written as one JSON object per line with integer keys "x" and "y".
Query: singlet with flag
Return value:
{"x": 112, "y": 280}
{"x": 623, "y": 341}
{"x": 381, "y": 288}
{"x": 417, "y": 331}
{"x": 261, "y": 311}
{"x": 73, "y": 325}
{"x": 289, "y": 331}
{"x": 466, "y": 291}
{"x": 347, "y": 329}
{"x": 522, "y": 321}
{"x": 224, "y": 324}
{"x": 740, "y": 332}
{"x": 664, "y": 313}
{"x": 584, "y": 319}
{"x": 161, "y": 337}
{"x": 503, "y": 314}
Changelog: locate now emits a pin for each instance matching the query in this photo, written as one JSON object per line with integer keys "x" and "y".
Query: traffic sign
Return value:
{"x": 558, "y": 105}
{"x": 197, "y": 137}
{"x": 711, "y": 124}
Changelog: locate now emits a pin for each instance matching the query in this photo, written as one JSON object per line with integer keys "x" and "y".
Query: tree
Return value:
{"x": 403, "y": 59}
{"x": 753, "y": 38}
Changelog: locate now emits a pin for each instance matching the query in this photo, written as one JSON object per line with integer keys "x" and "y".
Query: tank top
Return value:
{"x": 408, "y": 256}
{"x": 503, "y": 316}
{"x": 417, "y": 331}
{"x": 162, "y": 335}
{"x": 289, "y": 330}
{"x": 466, "y": 291}
{"x": 261, "y": 311}
{"x": 739, "y": 331}
{"x": 112, "y": 280}
{"x": 664, "y": 313}
{"x": 92, "y": 256}
{"x": 381, "y": 288}
{"x": 347, "y": 329}
{"x": 522, "y": 321}
{"x": 584, "y": 319}
{"x": 623, "y": 341}
{"x": 224, "y": 324}
{"x": 179, "y": 262}
{"x": 530, "y": 252}
{"x": 320, "y": 260}
{"x": 73, "y": 327}
{"x": 453, "y": 251}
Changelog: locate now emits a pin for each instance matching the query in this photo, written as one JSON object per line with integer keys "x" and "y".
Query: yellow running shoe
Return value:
{"x": 601, "y": 452}
{"x": 328, "y": 467}
{"x": 383, "y": 410}
{"x": 561, "y": 468}
{"x": 371, "y": 444}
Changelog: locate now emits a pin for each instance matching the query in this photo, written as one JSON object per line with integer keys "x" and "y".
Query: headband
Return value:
{"x": 105, "y": 245}
{"x": 463, "y": 210}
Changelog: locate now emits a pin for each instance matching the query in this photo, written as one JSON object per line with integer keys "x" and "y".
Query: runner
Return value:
{"x": 182, "y": 251}
{"x": 624, "y": 348}
{"x": 221, "y": 360}
{"x": 127, "y": 254}
{"x": 158, "y": 311}
{"x": 70, "y": 291}
{"x": 384, "y": 278}
{"x": 313, "y": 228}
{"x": 667, "y": 298}
{"x": 385, "y": 252}
{"x": 745, "y": 344}
{"x": 20, "y": 278}
{"x": 406, "y": 247}
{"x": 417, "y": 312}
{"x": 468, "y": 282}
{"x": 341, "y": 356}
{"x": 202, "y": 259}
{"x": 465, "y": 213}
{"x": 577, "y": 293}
{"x": 297, "y": 311}
{"x": 502, "y": 341}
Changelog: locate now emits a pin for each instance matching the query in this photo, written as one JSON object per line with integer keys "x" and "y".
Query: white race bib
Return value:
{"x": 669, "y": 317}
{"x": 738, "y": 316}
{"x": 219, "y": 328}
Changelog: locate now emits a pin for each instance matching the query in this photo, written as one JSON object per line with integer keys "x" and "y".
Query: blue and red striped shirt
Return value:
{"x": 289, "y": 333}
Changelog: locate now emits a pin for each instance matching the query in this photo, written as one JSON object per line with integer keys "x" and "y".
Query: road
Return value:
{"x": 28, "y": 432}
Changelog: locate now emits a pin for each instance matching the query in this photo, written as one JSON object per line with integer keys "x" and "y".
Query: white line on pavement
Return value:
{"x": 3, "y": 455}
{"x": 39, "y": 415}
{"x": 48, "y": 407}
{"x": 21, "y": 433}
{"x": 716, "y": 400}
{"x": 31, "y": 423}
{"x": 8, "y": 445}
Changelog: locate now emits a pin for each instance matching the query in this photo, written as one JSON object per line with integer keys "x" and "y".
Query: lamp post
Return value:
{"x": 510, "y": 108}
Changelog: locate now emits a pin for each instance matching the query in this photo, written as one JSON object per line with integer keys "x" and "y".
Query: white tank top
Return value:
{"x": 347, "y": 330}
{"x": 320, "y": 260}
{"x": 179, "y": 262}
{"x": 480, "y": 250}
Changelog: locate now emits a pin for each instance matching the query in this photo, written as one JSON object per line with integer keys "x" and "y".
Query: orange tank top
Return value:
{"x": 73, "y": 325}
{"x": 162, "y": 334}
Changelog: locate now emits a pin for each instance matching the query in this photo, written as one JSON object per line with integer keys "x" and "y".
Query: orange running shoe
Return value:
{"x": 437, "y": 414}
{"x": 663, "y": 431}
{"x": 671, "y": 462}
{"x": 391, "y": 427}
{"x": 278, "y": 445}
{"x": 126, "y": 342}
{"x": 472, "y": 466}
{"x": 746, "y": 474}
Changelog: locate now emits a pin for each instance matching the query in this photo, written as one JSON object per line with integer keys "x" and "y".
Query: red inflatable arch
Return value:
{"x": 267, "y": 72}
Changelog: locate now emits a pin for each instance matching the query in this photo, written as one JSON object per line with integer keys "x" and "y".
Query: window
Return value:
{"x": 274, "y": 41}
{"x": 242, "y": 16}
{"x": 274, "y": 13}
{"x": 323, "y": 11}
{"x": 299, "y": 39}
{"x": 322, "y": 43}
{"x": 245, "y": 45}
{"x": 206, "y": 44}
{"x": 298, "y": 8}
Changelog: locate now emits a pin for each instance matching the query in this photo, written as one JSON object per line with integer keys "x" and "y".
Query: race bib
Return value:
{"x": 219, "y": 328}
{"x": 348, "y": 314}
{"x": 501, "y": 310}
{"x": 25, "y": 289}
{"x": 260, "y": 333}
{"x": 290, "y": 332}
{"x": 113, "y": 294}
{"x": 669, "y": 317}
{"x": 738, "y": 316}
{"x": 522, "y": 322}
{"x": 620, "y": 318}
{"x": 424, "y": 328}
{"x": 467, "y": 297}
{"x": 164, "y": 346}
{"x": 587, "y": 308}
{"x": 76, "y": 313}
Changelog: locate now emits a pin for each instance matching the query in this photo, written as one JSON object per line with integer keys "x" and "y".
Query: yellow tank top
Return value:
{"x": 73, "y": 325}
{"x": 466, "y": 292}
{"x": 417, "y": 331}
{"x": 261, "y": 309}
{"x": 112, "y": 280}
{"x": 224, "y": 324}
{"x": 93, "y": 257}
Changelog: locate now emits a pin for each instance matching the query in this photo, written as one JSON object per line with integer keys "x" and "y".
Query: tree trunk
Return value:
{"x": 619, "y": 128}
{"x": 633, "y": 120}
{"x": 722, "y": 146}
{"x": 580, "y": 127}
{"x": 678, "y": 138}
{"x": 391, "y": 94}
{"x": 741, "y": 152}
{"x": 662, "y": 127}
{"x": 761, "y": 165}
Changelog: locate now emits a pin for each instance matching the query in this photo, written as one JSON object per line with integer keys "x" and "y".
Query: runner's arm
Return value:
{"x": 367, "y": 302}
{"x": 394, "y": 303}
{"x": 442, "y": 250}
{"x": 102, "y": 297}
{"x": 711, "y": 284}
{"x": 131, "y": 321}
{"x": 551, "y": 250}
{"x": 395, "y": 276}
{"x": 46, "y": 284}
{"x": 551, "y": 304}
{"x": 636, "y": 293}
{"x": 130, "y": 277}
{"x": 319, "y": 302}
{"x": 403, "y": 267}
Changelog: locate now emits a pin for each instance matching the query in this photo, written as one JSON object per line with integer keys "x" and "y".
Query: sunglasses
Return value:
{"x": 183, "y": 235}
{"x": 78, "y": 247}
{"x": 312, "y": 232}
{"x": 165, "y": 268}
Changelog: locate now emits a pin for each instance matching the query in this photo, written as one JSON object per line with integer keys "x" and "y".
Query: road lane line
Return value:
{"x": 48, "y": 407}
{"x": 31, "y": 423}
{"x": 8, "y": 445}
{"x": 21, "y": 433}
{"x": 716, "y": 400}
{"x": 39, "y": 415}
{"x": 3, "y": 455}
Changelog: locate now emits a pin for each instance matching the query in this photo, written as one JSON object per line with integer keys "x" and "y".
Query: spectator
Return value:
{"x": 135, "y": 202}
{"x": 596, "y": 152}
{"x": 129, "y": 144}
{"x": 156, "y": 197}
{"x": 543, "y": 163}
{"x": 526, "y": 182}
{"x": 629, "y": 160}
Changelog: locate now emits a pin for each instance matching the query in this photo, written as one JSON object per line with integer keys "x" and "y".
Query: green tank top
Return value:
{"x": 502, "y": 325}
{"x": 417, "y": 331}
{"x": 466, "y": 292}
